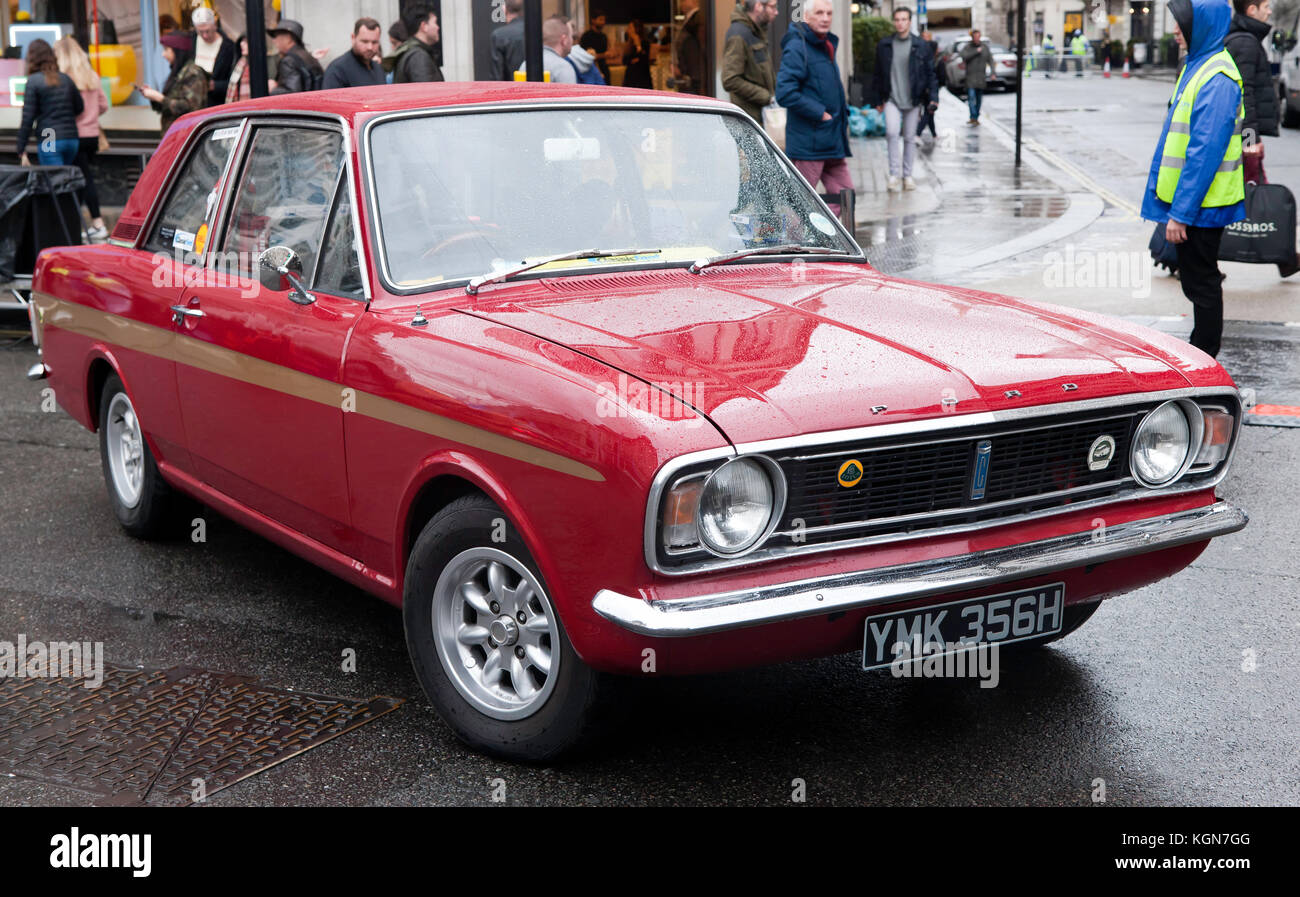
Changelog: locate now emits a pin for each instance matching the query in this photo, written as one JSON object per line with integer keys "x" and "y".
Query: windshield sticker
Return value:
{"x": 674, "y": 254}
{"x": 822, "y": 223}
{"x": 226, "y": 133}
{"x": 183, "y": 240}
{"x": 744, "y": 226}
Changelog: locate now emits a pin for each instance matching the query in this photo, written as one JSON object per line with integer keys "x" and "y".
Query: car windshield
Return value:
{"x": 462, "y": 195}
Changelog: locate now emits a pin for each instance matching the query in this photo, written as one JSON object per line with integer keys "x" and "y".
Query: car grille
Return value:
{"x": 909, "y": 486}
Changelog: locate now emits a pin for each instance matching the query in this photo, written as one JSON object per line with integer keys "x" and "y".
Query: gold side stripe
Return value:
{"x": 182, "y": 349}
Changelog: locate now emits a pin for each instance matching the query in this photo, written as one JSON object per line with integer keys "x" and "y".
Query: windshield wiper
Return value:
{"x": 506, "y": 273}
{"x": 786, "y": 249}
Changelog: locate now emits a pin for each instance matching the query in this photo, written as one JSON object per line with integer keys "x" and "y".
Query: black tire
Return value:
{"x": 154, "y": 510}
{"x": 1290, "y": 118}
{"x": 1075, "y": 616}
{"x": 564, "y": 717}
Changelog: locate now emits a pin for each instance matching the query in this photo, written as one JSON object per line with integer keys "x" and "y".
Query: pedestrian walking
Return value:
{"x": 237, "y": 88}
{"x": 904, "y": 83}
{"x": 74, "y": 63}
{"x": 636, "y": 57}
{"x": 299, "y": 70}
{"x": 808, "y": 85}
{"x": 1195, "y": 184}
{"x": 1078, "y": 49}
{"x": 508, "y": 43}
{"x": 1246, "y": 44}
{"x": 1049, "y": 55}
{"x": 557, "y": 41}
{"x": 215, "y": 53}
{"x": 688, "y": 50}
{"x": 584, "y": 64}
{"x": 186, "y": 88}
{"x": 928, "y": 110}
{"x": 359, "y": 67}
{"x": 979, "y": 65}
{"x": 747, "y": 74}
{"x": 596, "y": 42}
{"x": 51, "y": 104}
{"x": 417, "y": 60}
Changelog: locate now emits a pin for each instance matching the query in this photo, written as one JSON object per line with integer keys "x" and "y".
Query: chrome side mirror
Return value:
{"x": 280, "y": 269}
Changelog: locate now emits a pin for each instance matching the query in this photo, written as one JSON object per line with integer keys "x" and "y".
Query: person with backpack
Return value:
{"x": 299, "y": 70}
{"x": 417, "y": 59}
{"x": 585, "y": 66}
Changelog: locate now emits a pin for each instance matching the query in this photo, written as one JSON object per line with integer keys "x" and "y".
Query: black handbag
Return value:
{"x": 1162, "y": 251}
{"x": 1267, "y": 236}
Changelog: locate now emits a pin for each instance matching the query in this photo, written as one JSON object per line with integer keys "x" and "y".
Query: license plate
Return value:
{"x": 958, "y": 625}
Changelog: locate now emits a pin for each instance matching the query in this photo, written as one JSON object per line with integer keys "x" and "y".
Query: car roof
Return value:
{"x": 352, "y": 102}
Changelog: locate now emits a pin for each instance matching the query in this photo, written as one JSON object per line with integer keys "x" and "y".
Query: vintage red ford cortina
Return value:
{"x": 589, "y": 381}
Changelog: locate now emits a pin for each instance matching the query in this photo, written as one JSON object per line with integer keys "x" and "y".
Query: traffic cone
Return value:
{"x": 1105, "y": 69}
{"x": 1126, "y": 71}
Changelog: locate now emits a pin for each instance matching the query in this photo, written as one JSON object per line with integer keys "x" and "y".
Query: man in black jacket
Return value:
{"x": 417, "y": 59}
{"x": 299, "y": 70}
{"x": 508, "y": 43}
{"x": 1246, "y": 44}
{"x": 214, "y": 53}
{"x": 904, "y": 82}
{"x": 358, "y": 67}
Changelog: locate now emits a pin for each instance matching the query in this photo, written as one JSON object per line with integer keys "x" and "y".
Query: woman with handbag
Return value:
{"x": 74, "y": 63}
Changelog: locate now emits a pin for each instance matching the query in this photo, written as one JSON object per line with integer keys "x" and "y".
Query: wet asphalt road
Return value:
{"x": 1150, "y": 696}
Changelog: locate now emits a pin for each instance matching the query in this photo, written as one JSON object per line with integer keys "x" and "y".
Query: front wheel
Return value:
{"x": 486, "y": 642}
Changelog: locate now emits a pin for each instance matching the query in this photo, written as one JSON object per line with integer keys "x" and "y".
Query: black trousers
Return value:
{"x": 86, "y": 153}
{"x": 1198, "y": 268}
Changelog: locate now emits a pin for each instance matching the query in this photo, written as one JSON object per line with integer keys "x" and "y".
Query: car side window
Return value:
{"x": 186, "y": 217}
{"x": 284, "y": 195}
{"x": 340, "y": 269}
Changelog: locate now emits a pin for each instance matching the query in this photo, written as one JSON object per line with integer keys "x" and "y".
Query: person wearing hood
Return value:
{"x": 584, "y": 64}
{"x": 1246, "y": 44}
{"x": 746, "y": 64}
{"x": 187, "y": 86}
{"x": 808, "y": 85}
{"x": 1195, "y": 184}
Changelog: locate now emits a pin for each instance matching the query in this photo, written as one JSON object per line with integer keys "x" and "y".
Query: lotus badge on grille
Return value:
{"x": 1103, "y": 449}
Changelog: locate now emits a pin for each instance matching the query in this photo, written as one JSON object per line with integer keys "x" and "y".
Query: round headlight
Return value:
{"x": 736, "y": 505}
{"x": 1161, "y": 445}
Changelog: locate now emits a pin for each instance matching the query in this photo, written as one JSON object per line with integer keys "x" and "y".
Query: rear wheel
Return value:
{"x": 486, "y": 642}
{"x": 141, "y": 499}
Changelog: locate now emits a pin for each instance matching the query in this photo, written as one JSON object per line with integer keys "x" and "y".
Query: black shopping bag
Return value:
{"x": 1162, "y": 250}
{"x": 1267, "y": 236}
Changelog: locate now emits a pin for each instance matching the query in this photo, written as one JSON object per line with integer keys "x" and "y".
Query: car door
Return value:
{"x": 263, "y": 405}
{"x": 151, "y": 280}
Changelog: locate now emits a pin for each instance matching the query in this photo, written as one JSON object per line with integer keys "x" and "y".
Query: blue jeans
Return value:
{"x": 65, "y": 152}
{"x": 974, "y": 97}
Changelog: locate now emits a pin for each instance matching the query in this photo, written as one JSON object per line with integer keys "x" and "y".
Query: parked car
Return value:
{"x": 1285, "y": 59}
{"x": 589, "y": 381}
{"x": 1004, "y": 66}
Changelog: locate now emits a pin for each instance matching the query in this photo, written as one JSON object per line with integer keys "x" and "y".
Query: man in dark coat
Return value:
{"x": 808, "y": 85}
{"x": 746, "y": 62}
{"x": 214, "y": 52}
{"x": 417, "y": 59}
{"x": 508, "y": 43}
{"x": 689, "y": 65}
{"x": 299, "y": 71}
{"x": 359, "y": 67}
{"x": 1246, "y": 44}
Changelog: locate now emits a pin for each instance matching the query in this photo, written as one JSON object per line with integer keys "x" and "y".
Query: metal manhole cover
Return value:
{"x": 145, "y": 736}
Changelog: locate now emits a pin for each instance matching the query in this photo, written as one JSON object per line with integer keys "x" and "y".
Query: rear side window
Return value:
{"x": 187, "y": 216}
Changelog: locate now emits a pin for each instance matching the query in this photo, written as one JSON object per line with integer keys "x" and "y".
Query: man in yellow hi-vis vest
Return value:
{"x": 1195, "y": 184}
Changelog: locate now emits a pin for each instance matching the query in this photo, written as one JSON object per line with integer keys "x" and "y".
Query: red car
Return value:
{"x": 589, "y": 381}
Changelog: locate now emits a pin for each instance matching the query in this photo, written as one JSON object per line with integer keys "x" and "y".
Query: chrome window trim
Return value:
{"x": 178, "y": 163}
{"x": 769, "y": 447}
{"x": 549, "y": 105}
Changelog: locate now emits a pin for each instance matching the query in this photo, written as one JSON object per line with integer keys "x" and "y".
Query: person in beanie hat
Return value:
{"x": 299, "y": 70}
{"x": 187, "y": 85}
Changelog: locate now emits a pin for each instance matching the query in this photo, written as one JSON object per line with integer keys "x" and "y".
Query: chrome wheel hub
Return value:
{"x": 496, "y": 633}
{"x": 125, "y": 445}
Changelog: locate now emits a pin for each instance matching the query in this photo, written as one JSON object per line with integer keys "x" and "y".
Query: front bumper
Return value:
{"x": 702, "y": 614}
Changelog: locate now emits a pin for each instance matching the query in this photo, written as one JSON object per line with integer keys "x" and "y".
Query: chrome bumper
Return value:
{"x": 848, "y": 591}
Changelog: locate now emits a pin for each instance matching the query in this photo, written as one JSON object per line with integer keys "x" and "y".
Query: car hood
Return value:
{"x": 767, "y": 351}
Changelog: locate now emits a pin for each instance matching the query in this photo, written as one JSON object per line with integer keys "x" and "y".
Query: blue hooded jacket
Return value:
{"x": 809, "y": 85}
{"x": 1204, "y": 24}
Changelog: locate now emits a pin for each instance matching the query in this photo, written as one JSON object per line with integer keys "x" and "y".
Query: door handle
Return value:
{"x": 181, "y": 312}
